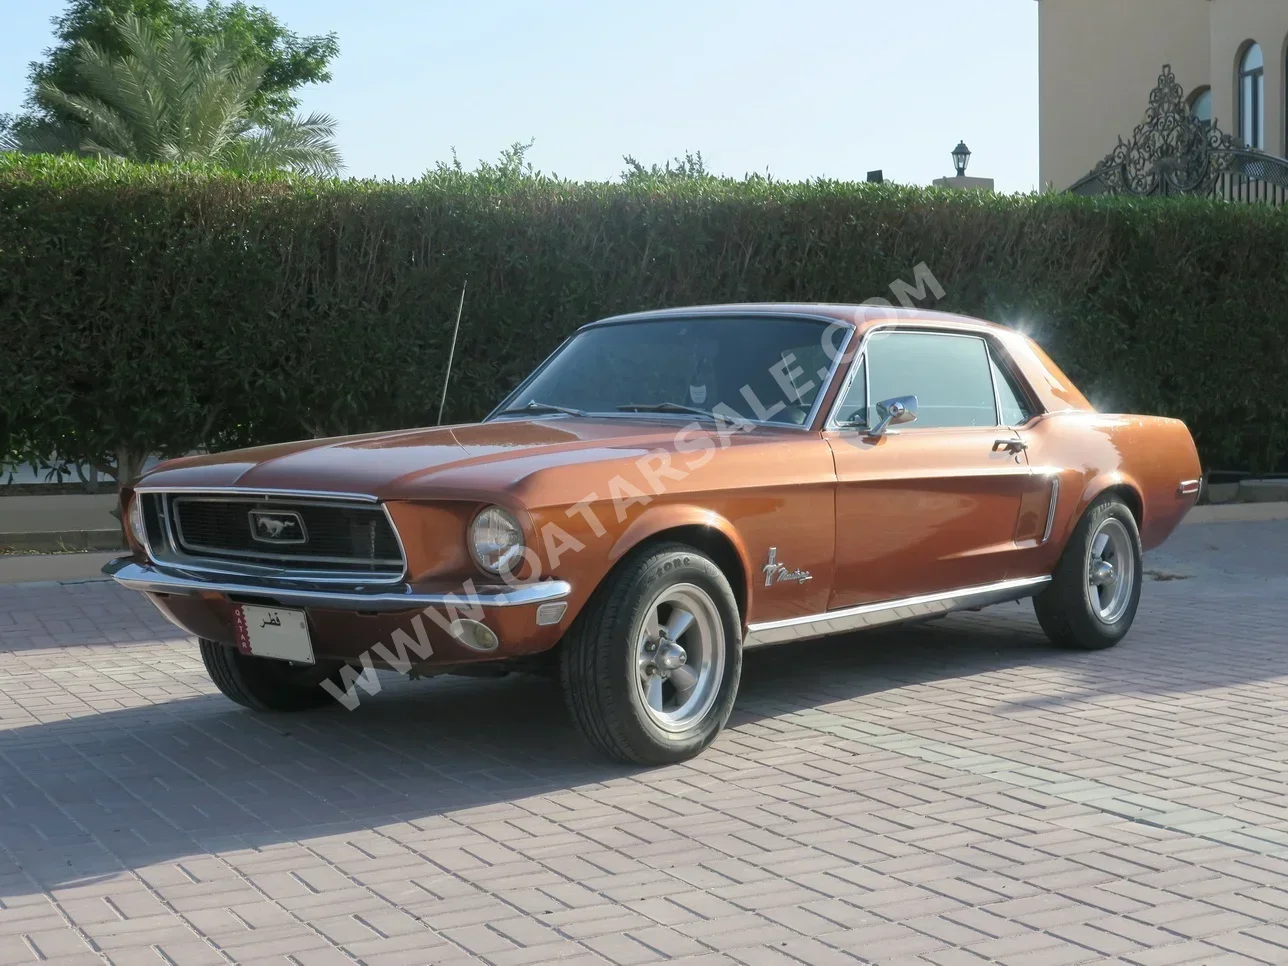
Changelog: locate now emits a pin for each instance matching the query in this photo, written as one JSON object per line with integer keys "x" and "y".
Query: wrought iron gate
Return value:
{"x": 1172, "y": 152}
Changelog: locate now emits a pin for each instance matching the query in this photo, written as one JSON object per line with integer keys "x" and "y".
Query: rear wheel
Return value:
{"x": 264, "y": 684}
{"x": 650, "y": 668}
{"x": 1092, "y": 599}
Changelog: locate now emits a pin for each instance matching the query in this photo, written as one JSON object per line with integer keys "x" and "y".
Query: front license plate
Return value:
{"x": 275, "y": 632}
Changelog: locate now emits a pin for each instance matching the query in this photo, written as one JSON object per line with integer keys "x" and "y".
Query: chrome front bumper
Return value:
{"x": 156, "y": 579}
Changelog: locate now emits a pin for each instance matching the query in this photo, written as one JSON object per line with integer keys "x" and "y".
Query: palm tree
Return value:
{"x": 166, "y": 101}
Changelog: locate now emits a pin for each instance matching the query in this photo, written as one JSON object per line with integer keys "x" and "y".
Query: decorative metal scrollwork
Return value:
{"x": 1172, "y": 152}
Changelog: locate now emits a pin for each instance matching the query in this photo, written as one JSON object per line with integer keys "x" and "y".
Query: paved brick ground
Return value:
{"x": 953, "y": 794}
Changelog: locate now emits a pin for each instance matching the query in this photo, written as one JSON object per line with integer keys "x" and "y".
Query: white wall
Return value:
{"x": 1099, "y": 61}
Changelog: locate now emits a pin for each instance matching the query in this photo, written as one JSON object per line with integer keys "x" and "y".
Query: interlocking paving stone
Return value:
{"x": 958, "y": 792}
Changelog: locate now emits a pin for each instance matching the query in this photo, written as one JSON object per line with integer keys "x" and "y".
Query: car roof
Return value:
{"x": 860, "y": 316}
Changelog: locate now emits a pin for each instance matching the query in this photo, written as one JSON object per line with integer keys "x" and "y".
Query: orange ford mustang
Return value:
{"x": 666, "y": 490}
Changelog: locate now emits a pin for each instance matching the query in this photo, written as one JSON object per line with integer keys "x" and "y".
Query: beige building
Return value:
{"x": 1101, "y": 58}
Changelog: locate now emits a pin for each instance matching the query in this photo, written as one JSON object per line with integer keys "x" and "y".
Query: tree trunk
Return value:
{"x": 129, "y": 465}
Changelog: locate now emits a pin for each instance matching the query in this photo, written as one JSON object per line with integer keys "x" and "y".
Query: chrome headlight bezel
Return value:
{"x": 494, "y": 556}
{"x": 136, "y": 524}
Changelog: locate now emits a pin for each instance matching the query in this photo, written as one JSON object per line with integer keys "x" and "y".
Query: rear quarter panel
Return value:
{"x": 1147, "y": 456}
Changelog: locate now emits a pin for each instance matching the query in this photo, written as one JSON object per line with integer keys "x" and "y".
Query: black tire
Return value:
{"x": 1065, "y": 608}
{"x": 599, "y": 658}
{"x": 263, "y": 684}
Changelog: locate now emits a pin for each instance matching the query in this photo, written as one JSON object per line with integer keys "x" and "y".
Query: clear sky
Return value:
{"x": 800, "y": 88}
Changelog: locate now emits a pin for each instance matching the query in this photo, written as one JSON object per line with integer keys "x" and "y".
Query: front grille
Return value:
{"x": 313, "y": 535}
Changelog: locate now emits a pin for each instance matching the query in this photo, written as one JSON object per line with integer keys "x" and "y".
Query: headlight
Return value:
{"x": 496, "y": 540}
{"x": 134, "y": 518}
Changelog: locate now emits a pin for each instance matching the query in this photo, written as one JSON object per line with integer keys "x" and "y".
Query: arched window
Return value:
{"x": 1252, "y": 97}
{"x": 1201, "y": 105}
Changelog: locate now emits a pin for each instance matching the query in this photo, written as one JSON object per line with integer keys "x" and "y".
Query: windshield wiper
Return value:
{"x": 665, "y": 407}
{"x": 539, "y": 407}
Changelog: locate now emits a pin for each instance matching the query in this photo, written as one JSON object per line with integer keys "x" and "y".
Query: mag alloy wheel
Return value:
{"x": 650, "y": 667}
{"x": 1094, "y": 592}
{"x": 680, "y": 656}
{"x": 1111, "y": 571}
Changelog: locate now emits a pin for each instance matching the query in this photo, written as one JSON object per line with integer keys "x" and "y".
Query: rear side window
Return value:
{"x": 951, "y": 376}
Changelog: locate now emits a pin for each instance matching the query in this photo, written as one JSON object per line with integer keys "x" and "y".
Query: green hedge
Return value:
{"x": 149, "y": 309}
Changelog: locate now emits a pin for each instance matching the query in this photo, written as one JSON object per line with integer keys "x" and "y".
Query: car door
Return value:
{"x": 1017, "y": 411}
{"x": 931, "y": 505}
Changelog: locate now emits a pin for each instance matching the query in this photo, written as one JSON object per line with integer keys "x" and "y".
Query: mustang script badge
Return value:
{"x": 277, "y": 526}
{"x": 777, "y": 573}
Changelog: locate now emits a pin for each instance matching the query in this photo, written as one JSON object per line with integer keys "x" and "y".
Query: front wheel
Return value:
{"x": 650, "y": 668}
{"x": 1092, "y": 598}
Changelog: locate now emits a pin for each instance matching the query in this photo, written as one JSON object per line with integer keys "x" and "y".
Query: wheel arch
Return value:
{"x": 701, "y": 529}
{"x": 1118, "y": 485}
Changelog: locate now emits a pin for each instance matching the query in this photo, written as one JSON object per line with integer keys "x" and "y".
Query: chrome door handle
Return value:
{"x": 1010, "y": 445}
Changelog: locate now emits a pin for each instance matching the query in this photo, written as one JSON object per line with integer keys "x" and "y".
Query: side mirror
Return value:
{"x": 894, "y": 412}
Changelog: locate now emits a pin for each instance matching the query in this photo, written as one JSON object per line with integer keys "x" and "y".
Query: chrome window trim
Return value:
{"x": 827, "y": 321}
{"x": 177, "y": 581}
{"x": 912, "y": 330}
{"x": 849, "y": 619}
{"x": 992, "y": 378}
{"x": 998, "y": 353}
{"x": 831, "y": 373}
{"x": 860, "y": 364}
{"x": 526, "y": 381}
{"x": 958, "y": 327}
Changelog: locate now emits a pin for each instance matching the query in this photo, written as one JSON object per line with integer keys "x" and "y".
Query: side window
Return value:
{"x": 1015, "y": 410}
{"x": 950, "y": 375}
{"x": 854, "y": 407}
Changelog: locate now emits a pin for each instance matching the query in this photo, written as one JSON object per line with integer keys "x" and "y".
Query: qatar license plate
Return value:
{"x": 276, "y": 632}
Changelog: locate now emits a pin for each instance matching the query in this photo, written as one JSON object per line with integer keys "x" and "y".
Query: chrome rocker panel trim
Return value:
{"x": 890, "y": 612}
{"x": 152, "y": 579}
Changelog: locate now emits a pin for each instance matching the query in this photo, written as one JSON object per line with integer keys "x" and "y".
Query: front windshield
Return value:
{"x": 761, "y": 369}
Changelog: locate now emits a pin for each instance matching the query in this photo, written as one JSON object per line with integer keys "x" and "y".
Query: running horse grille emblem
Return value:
{"x": 776, "y": 573}
{"x": 277, "y": 526}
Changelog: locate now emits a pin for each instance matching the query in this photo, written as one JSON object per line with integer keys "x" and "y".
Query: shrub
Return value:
{"x": 161, "y": 309}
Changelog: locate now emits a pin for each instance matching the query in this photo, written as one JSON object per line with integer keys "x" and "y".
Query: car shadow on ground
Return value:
{"x": 90, "y": 796}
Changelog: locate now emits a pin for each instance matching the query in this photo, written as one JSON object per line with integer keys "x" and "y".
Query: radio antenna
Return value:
{"x": 450, "y": 353}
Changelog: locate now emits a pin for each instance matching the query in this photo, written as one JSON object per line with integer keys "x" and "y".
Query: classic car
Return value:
{"x": 665, "y": 491}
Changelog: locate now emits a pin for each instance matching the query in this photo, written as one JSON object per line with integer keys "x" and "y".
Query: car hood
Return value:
{"x": 412, "y": 463}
